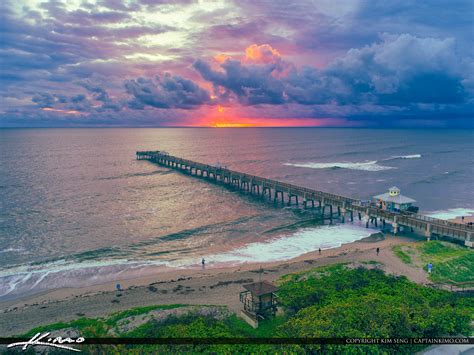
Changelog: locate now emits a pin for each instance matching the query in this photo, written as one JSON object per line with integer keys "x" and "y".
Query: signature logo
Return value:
{"x": 57, "y": 342}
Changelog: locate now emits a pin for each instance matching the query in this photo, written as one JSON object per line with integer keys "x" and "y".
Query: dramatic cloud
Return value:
{"x": 166, "y": 92}
{"x": 251, "y": 84}
{"x": 398, "y": 71}
{"x": 263, "y": 54}
{"x": 50, "y": 102}
{"x": 98, "y": 92}
{"x": 366, "y": 63}
{"x": 47, "y": 100}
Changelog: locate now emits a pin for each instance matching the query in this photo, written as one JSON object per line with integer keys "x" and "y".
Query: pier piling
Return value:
{"x": 262, "y": 187}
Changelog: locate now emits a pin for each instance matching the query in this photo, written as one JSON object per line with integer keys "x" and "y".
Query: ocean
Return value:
{"x": 78, "y": 209}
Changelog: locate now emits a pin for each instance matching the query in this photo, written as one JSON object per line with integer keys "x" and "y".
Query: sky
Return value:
{"x": 244, "y": 63}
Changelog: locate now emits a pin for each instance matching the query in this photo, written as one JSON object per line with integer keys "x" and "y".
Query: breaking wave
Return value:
{"x": 372, "y": 165}
{"x": 365, "y": 166}
{"x": 30, "y": 279}
{"x": 451, "y": 213}
{"x": 291, "y": 246}
{"x": 412, "y": 156}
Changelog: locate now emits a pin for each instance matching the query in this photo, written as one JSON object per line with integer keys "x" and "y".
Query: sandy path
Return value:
{"x": 395, "y": 266}
{"x": 210, "y": 287}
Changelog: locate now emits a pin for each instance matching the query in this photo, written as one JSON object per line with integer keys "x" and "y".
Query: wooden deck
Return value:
{"x": 340, "y": 207}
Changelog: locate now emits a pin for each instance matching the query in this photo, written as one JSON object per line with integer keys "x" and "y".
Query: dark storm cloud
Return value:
{"x": 168, "y": 91}
{"x": 252, "y": 84}
{"x": 45, "y": 99}
{"x": 398, "y": 71}
{"x": 78, "y": 102}
{"x": 371, "y": 61}
{"x": 99, "y": 93}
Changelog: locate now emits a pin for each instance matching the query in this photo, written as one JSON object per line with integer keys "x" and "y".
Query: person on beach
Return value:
{"x": 319, "y": 250}
{"x": 378, "y": 251}
{"x": 203, "y": 262}
{"x": 117, "y": 286}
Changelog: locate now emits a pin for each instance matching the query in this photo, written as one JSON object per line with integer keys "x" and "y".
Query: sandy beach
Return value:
{"x": 211, "y": 286}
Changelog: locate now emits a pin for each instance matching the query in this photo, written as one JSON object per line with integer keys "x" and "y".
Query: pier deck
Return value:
{"x": 339, "y": 207}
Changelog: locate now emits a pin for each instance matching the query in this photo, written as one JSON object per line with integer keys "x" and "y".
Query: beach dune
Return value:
{"x": 211, "y": 286}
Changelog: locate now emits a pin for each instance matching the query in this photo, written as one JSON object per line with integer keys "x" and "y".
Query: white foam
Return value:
{"x": 12, "y": 250}
{"x": 451, "y": 213}
{"x": 291, "y": 246}
{"x": 412, "y": 156}
{"x": 10, "y": 286}
{"x": 372, "y": 165}
{"x": 365, "y": 166}
{"x": 35, "y": 278}
{"x": 60, "y": 265}
{"x": 30, "y": 279}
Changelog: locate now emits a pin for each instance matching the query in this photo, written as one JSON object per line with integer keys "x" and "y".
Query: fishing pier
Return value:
{"x": 331, "y": 206}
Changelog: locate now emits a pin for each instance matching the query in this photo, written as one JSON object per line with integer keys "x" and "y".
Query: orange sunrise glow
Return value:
{"x": 239, "y": 122}
{"x": 265, "y": 122}
{"x": 221, "y": 58}
{"x": 233, "y": 117}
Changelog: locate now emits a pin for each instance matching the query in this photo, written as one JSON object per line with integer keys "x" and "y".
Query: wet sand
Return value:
{"x": 211, "y": 286}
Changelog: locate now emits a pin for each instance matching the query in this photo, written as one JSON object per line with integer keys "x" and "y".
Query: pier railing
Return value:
{"x": 429, "y": 226}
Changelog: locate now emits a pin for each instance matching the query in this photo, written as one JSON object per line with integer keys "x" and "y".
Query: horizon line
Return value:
{"x": 237, "y": 127}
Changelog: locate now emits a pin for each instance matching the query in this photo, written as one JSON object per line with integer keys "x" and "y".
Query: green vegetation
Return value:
{"x": 115, "y": 317}
{"x": 331, "y": 301}
{"x": 98, "y": 327}
{"x": 370, "y": 262}
{"x": 403, "y": 255}
{"x": 194, "y": 325}
{"x": 452, "y": 264}
{"x": 439, "y": 251}
{"x": 456, "y": 271}
{"x": 368, "y": 303}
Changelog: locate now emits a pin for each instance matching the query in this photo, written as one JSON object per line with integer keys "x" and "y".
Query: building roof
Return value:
{"x": 261, "y": 288}
{"x": 396, "y": 199}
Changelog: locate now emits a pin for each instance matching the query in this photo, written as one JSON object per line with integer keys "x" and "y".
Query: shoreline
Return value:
{"x": 219, "y": 286}
{"x": 94, "y": 275}
{"x": 294, "y": 243}
{"x": 153, "y": 271}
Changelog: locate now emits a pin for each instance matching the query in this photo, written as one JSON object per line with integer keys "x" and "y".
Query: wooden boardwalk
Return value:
{"x": 340, "y": 207}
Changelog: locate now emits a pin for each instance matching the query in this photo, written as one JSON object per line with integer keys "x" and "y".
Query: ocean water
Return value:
{"x": 77, "y": 209}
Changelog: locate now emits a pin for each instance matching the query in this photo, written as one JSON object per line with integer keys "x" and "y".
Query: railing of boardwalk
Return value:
{"x": 419, "y": 221}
